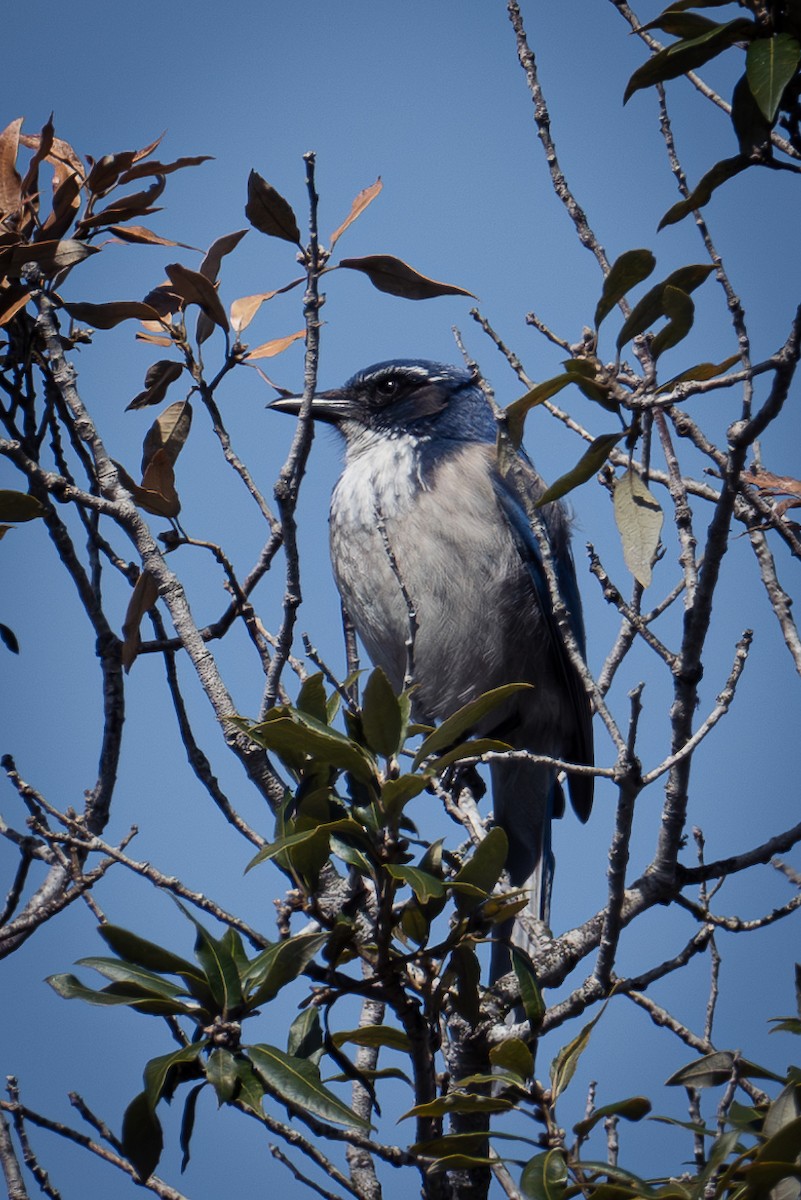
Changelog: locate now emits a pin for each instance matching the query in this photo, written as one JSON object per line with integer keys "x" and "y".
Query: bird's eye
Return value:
{"x": 387, "y": 389}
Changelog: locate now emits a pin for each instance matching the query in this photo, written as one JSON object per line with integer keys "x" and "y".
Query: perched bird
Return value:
{"x": 422, "y": 508}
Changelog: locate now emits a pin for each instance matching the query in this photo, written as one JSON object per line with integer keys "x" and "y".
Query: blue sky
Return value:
{"x": 430, "y": 97}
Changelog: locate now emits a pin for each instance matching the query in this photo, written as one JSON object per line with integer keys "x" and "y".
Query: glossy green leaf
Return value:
{"x": 587, "y": 466}
{"x": 639, "y": 519}
{"x": 396, "y": 793}
{"x": 518, "y": 410}
{"x": 701, "y": 372}
{"x": 688, "y": 54}
{"x": 374, "y": 1035}
{"x": 770, "y": 64}
{"x": 147, "y": 954}
{"x": 722, "y": 171}
{"x": 634, "y": 1108}
{"x": 464, "y": 720}
{"x": 530, "y": 991}
{"x": 278, "y": 965}
{"x": 219, "y": 968}
{"x": 297, "y": 1082}
{"x": 142, "y": 1139}
{"x": 158, "y": 1072}
{"x": 457, "y": 1162}
{"x": 188, "y": 1123}
{"x": 122, "y": 972}
{"x": 750, "y": 124}
{"x": 464, "y": 965}
{"x": 312, "y": 698}
{"x": 425, "y": 886}
{"x": 482, "y": 870}
{"x": 71, "y": 988}
{"x": 343, "y": 825}
{"x": 651, "y": 307}
{"x": 631, "y": 268}
{"x": 712, "y": 1070}
{"x": 295, "y": 735}
{"x": 382, "y": 717}
{"x": 545, "y": 1176}
{"x": 513, "y": 1055}
{"x": 459, "y": 1102}
{"x": 19, "y": 506}
{"x": 305, "y": 1038}
{"x": 222, "y": 1074}
{"x": 251, "y": 1087}
{"x": 680, "y": 23}
{"x": 470, "y": 749}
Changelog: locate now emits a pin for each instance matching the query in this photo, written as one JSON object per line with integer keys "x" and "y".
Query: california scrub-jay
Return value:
{"x": 421, "y": 481}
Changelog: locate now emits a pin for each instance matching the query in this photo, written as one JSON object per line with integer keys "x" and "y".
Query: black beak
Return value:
{"x": 332, "y": 407}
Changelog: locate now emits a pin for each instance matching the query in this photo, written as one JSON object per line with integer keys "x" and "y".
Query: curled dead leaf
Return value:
{"x": 269, "y": 212}
{"x": 158, "y": 378}
{"x": 167, "y": 434}
{"x": 245, "y": 308}
{"x": 156, "y": 494}
{"x": 10, "y": 181}
{"x": 139, "y": 234}
{"x": 194, "y": 288}
{"x": 49, "y": 257}
{"x": 392, "y": 275}
{"x": 106, "y": 316}
{"x": 143, "y": 597}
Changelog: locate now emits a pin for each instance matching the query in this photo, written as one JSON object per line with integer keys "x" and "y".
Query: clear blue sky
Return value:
{"x": 430, "y": 97}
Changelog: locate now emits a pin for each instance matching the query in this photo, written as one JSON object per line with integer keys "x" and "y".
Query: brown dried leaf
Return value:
{"x": 157, "y": 494}
{"x": 66, "y": 202}
{"x": 146, "y": 151}
{"x": 10, "y": 182}
{"x": 12, "y": 300}
{"x": 245, "y": 308}
{"x": 210, "y": 267}
{"x": 166, "y": 302}
{"x": 30, "y": 184}
{"x": 106, "y": 316}
{"x": 139, "y": 234}
{"x": 61, "y": 156}
{"x": 50, "y": 257}
{"x": 158, "y": 378}
{"x": 141, "y": 169}
{"x": 105, "y": 173}
{"x": 269, "y": 212}
{"x": 137, "y": 204}
{"x": 166, "y": 435}
{"x": 365, "y": 197}
{"x": 276, "y": 346}
{"x": 194, "y": 288}
{"x": 143, "y": 597}
{"x": 777, "y": 485}
{"x": 153, "y": 339}
{"x": 392, "y": 275}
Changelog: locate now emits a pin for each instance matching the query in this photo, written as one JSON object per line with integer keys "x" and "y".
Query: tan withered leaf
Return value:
{"x": 10, "y": 182}
{"x": 156, "y": 494}
{"x": 269, "y": 212}
{"x": 245, "y": 308}
{"x": 139, "y": 234}
{"x": 66, "y": 202}
{"x": 276, "y": 346}
{"x": 158, "y": 378}
{"x": 106, "y": 316}
{"x": 30, "y": 184}
{"x": 50, "y": 257}
{"x": 167, "y": 435}
{"x": 105, "y": 172}
{"x": 777, "y": 485}
{"x": 143, "y": 597}
{"x": 194, "y": 288}
{"x": 153, "y": 339}
{"x": 124, "y": 208}
{"x": 165, "y": 301}
{"x": 639, "y": 518}
{"x": 61, "y": 156}
{"x": 212, "y": 260}
{"x": 392, "y": 275}
{"x": 365, "y": 197}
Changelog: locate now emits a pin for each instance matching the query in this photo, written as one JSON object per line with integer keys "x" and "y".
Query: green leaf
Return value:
{"x": 312, "y": 698}
{"x": 464, "y": 964}
{"x": 712, "y": 1070}
{"x": 482, "y": 870}
{"x": 157, "y": 1073}
{"x": 701, "y": 371}
{"x": 218, "y": 966}
{"x": 517, "y": 411}
{"x": 652, "y": 305}
{"x": 680, "y": 311}
{"x": 425, "y": 887}
{"x": 457, "y": 1162}
{"x": 19, "y": 506}
{"x": 632, "y": 1109}
{"x": 680, "y": 24}
{"x": 296, "y": 1082}
{"x": 639, "y": 521}
{"x": 273, "y": 849}
{"x": 147, "y": 954}
{"x": 722, "y": 171}
{"x": 545, "y": 1176}
{"x": 123, "y": 972}
{"x": 382, "y": 716}
{"x": 564, "y": 1065}
{"x": 188, "y": 1123}
{"x": 459, "y": 1102}
{"x": 770, "y": 64}
{"x": 305, "y": 1038}
{"x": 278, "y": 965}
{"x": 513, "y": 1055}
{"x": 631, "y": 268}
{"x": 470, "y": 749}
{"x": 222, "y": 1074}
{"x": 587, "y": 466}
{"x": 142, "y": 1139}
{"x": 396, "y": 793}
{"x": 689, "y": 54}
{"x": 464, "y": 720}
{"x": 251, "y": 1088}
{"x": 71, "y": 988}
{"x": 374, "y": 1035}
{"x": 293, "y": 735}
{"x": 530, "y": 993}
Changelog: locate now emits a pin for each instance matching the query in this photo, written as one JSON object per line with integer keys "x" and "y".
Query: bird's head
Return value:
{"x": 411, "y": 397}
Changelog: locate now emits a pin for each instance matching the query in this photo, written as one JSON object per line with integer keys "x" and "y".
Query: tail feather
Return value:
{"x": 525, "y": 797}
